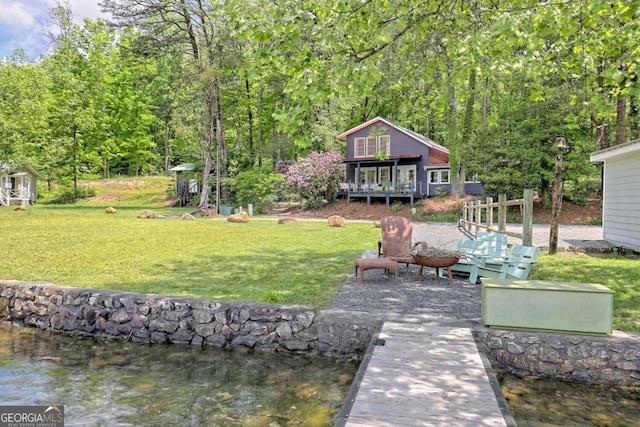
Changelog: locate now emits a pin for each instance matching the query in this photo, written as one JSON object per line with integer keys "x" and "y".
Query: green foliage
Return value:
{"x": 396, "y": 206}
{"x": 437, "y": 216}
{"x": 257, "y": 186}
{"x": 582, "y": 190}
{"x": 273, "y": 297}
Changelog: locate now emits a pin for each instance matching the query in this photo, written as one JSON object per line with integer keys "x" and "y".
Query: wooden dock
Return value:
{"x": 422, "y": 375}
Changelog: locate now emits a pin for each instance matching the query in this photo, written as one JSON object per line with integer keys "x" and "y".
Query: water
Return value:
{"x": 116, "y": 383}
{"x": 545, "y": 403}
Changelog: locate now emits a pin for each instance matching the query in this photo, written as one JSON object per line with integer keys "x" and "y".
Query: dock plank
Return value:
{"x": 425, "y": 375}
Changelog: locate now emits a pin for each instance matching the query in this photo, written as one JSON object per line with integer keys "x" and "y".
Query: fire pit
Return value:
{"x": 434, "y": 258}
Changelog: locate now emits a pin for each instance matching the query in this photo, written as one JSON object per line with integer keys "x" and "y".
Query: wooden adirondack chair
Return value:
{"x": 517, "y": 265}
{"x": 397, "y": 233}
{"x": 489, "y": 249}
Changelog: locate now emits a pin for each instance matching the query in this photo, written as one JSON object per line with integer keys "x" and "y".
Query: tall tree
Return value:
{"x": 200, "y": 27}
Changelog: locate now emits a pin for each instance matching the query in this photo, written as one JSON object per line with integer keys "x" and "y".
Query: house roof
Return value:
{"x": 420, "y": 138}
{"x": 615, "y": 151}
{"x": 183, "y": 167}
{"x": 20, "y": 170}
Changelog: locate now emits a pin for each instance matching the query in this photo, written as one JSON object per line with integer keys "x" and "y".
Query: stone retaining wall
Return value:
{"x": 582, "y": 358}
{"x": 299, "y": 330}
{"x": 164, "y": 319}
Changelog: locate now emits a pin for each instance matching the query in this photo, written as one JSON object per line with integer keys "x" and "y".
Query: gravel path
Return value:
{"x": 431, "y": 299}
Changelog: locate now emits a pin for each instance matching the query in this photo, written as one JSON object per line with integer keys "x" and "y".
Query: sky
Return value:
{"x": 24, "y": 24}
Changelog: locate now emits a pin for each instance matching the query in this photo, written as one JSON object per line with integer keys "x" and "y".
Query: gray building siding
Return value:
{"x": 621, "y": 195}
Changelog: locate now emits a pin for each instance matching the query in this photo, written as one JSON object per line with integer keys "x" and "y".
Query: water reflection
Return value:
{"x": 547, "y": 403}
{"x": 115, "y": 383}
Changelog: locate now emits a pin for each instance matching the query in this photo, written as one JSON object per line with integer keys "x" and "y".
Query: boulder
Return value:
{"x": 287, "y": 220}
{"x": 337, "y": 221}
{"x": 239, "y": 217}
{"x": 110, "y": 210}
{"x": 146, "y": 214}
{"x": 187, "y": 216}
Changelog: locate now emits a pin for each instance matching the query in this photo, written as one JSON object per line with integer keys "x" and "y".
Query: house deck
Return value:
{"x": 424, "y": 376}
{"x": 387, "y": 196}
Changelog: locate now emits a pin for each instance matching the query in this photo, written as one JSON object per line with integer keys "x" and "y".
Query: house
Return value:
{"x": 18, "y": 185}
{"x": 621, "y": 194}
{"x": 384, "y": 160}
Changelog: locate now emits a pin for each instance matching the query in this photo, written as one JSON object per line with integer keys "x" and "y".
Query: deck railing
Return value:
{"x": 7, "y": 195}
{"x": 386, "y": 187}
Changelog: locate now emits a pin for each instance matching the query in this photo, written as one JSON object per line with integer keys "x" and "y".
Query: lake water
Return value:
{"x": 549, "y": 403}
{"x": 116, "y": 383}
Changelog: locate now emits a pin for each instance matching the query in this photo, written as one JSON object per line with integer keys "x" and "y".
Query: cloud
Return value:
{"x": 26, "y": 24}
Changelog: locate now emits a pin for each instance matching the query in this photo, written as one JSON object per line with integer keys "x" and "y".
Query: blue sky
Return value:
{"x": 24, "y": 24}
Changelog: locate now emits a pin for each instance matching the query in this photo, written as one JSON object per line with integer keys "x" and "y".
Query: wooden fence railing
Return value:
{"x": 480, "y": 215}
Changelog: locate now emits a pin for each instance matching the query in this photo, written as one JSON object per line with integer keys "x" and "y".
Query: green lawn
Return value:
{"x": 81, "y": 245}
{"x": 209, "y": 257}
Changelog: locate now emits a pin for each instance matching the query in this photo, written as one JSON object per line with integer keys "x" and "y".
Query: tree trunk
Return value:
{"x": 621, "y": 120}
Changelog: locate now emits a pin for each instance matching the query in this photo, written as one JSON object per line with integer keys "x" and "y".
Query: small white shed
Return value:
{"x": 19, "y": 185}
{"x": 621, "y": 194}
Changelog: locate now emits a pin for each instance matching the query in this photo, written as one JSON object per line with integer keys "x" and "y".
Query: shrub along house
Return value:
{"x": 387, "y": 161}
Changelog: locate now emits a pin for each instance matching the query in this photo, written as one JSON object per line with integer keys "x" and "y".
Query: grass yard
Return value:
{"x": 209, "y": 258}
{"x": 80, "y": 245}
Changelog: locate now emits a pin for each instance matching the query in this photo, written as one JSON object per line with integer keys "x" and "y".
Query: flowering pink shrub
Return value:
{"x": 315, "y": 178}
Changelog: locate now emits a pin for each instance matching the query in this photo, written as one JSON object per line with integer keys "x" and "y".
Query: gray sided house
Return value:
{"x": 388, "y": 161}
{"x": 621, "y": 194}
{"x": 18, "y": 185}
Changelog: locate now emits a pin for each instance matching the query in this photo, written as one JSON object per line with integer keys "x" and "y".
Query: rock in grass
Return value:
{"x": 110, "y": 210}
{"x": 187, "y": 216}
{"x": 336, "y": 221}
{"x": 146, "y": 214}
{"x": 241, "y": 217}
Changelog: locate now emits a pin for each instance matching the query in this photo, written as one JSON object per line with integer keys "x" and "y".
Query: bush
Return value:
{"x": 396, "y": 206}
{"x": 257, "y": 186}
{"x": 580, "y": 191}
{"x": 315, "y": 178}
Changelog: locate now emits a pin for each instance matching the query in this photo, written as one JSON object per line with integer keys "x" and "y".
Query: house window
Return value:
{"x": 440, "y": 176}
{"x": 358, "y": 147}
{"x": 384, "y": 144}
{"x": 372, "y": 146}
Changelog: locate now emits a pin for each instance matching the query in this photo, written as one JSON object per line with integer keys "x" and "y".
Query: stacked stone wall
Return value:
{"x": 164, "y": 319}
{"x": 301, "y": 330}
{"x": 611, "y": 360}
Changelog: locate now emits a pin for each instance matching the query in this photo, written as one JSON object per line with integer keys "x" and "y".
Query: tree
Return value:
{"x": 199, "y": 27}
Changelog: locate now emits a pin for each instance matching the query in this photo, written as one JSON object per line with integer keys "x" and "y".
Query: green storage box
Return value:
{"x": 548, "y": 306}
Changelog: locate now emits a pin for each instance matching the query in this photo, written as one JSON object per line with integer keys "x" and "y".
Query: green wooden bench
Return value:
{"x": 547, "y": 305}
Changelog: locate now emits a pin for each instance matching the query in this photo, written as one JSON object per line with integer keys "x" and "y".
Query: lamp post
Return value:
{"x": 560, "y": 145}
